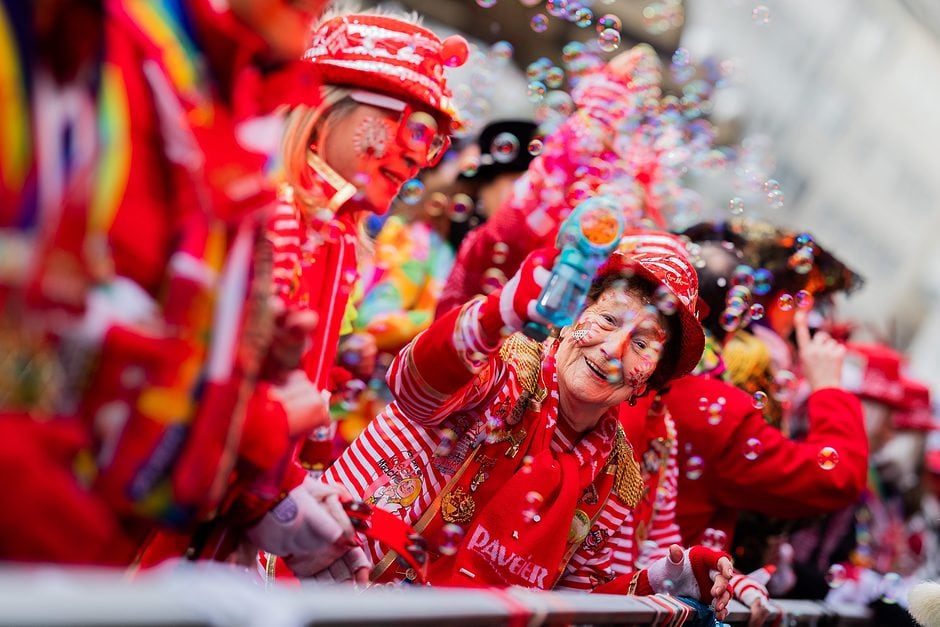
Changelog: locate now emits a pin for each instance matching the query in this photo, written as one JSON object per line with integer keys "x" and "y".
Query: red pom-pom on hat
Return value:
{"x": 455, "y": 51}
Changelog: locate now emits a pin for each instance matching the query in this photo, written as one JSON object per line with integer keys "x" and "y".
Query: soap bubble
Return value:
{"x": 763, "y": 281}
{"x": 448, "y": 438}
{"x": 614, "y": 370}
{"x": 759, "y": 399}
{"x": 608, "y": 40}
{"x": 743, "y": 275}
{"x": 583, "y": 17}
{"x": 461, "y": 208}
{"x": 411, "y": 192}
{"x": 554, "y": 77}
{"x": 556, "y": 8}
{"x": 715, "y": 413}
{"x": 539, "y": 23}
{"x": 804, "y": 300}
{"x": 836, "y": 576}
{"x": 451, "y": 536}
{"x": 892, "y": 588}
{"x": 666, "y": 301}
{"x": 801, "y": 261}
{"x": 729, "y": 320}
{"x": 535, "y": 91}
{"x": 753, "y": 448}
{"x": 504, "y": 148}
{"x": 608, "y": 21}
{"x": 827, "y": 458}
{"x": 761, "y": 15}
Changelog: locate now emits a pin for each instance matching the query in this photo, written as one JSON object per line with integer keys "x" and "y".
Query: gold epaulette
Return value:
{"x": 525, "y": 356}
{"x": 628, "y": 483}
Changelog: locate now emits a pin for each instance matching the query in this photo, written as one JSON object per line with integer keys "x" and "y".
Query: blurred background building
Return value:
{"x": 835, "y": 100}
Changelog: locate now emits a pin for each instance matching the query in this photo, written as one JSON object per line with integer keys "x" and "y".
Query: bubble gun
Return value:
{"x": 586, "y": 239}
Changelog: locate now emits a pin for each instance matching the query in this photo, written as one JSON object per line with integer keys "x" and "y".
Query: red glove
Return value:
{"x": 514, "y": 304}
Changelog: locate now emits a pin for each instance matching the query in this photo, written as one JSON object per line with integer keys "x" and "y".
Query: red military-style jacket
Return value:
{"x": 739, "y": 462}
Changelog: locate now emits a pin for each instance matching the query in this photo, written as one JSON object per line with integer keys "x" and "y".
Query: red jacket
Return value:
{"x": 745, "y": 464}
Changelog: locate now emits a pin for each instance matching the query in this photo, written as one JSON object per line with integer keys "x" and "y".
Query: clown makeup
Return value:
{"x": 610, "y": 354}
{"x": 582, "y": 332}
{"x": 377, "y": 165}
{"x": 391, "y": 141}
{"x": 372, "y": 137}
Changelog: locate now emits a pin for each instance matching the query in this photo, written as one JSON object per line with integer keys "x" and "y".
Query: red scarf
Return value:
{"x": 518, "y": 530}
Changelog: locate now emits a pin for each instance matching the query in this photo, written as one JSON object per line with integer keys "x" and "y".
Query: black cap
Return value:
{"x": 518, "y": 160}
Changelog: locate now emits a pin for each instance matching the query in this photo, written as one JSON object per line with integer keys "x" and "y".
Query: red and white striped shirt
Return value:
{"x": 444, "y": 397}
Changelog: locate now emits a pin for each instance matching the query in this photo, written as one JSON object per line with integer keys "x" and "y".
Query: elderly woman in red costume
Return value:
{"x": 513, "y": 453}
{"x": 384, "y": 114}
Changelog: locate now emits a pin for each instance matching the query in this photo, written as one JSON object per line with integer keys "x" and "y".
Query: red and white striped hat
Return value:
{"x": 390, "y": 56}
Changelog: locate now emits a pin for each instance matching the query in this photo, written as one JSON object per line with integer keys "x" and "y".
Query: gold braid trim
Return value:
{"x": 628, "y": 482}
{"x": 525, "y": 355}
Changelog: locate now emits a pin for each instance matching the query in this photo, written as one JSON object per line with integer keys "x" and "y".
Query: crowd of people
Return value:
{"x": 267, "y": 303}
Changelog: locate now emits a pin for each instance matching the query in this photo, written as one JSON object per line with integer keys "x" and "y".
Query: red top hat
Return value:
{"x": 873, "y": 372}
{"x": 916, "y": 414}
{"x": 388, "y": 55}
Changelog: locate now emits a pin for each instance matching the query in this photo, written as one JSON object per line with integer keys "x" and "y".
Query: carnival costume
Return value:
{"x": 473, "y": 452}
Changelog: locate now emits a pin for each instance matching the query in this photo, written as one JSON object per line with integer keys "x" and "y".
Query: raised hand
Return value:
{"x": 518, "y": 297}
{"x": 821, "y": 357}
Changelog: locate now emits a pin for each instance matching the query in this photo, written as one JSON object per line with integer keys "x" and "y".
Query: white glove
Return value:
{"x": 311, "y": 521}
{"x": 753, "y": 594}
{"x": 353, "y": 566}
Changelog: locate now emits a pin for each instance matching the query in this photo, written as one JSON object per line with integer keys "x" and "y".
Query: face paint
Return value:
{"x": 640, "y": 373}
{"x": 372, "y": 136}
{"x": 582, "y": 332}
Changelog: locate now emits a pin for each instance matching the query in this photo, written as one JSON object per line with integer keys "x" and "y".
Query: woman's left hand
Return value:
{"x": 698, "y": 572}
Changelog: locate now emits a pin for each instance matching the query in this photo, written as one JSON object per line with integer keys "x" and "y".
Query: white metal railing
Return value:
{"x": 213, "y": 596}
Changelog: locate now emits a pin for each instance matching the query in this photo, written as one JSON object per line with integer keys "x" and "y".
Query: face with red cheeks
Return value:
{"x": 364, "y": 146}
{"x": 608, "y": 355}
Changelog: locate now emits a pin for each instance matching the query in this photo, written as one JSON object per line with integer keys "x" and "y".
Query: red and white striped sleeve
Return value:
{"x": 664, "y": 530}
{"x": 286, "y": 233}
{"x": 449, "y": 366}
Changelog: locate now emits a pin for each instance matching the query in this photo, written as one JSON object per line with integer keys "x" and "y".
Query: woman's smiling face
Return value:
{"x": 610, "y": 352}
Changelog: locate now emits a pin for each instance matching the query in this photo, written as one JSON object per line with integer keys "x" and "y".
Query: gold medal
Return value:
{"x": 457, "y": 506}
{"x": 580, "y": 527}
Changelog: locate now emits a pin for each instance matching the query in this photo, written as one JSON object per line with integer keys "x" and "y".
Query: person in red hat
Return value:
{"x": 730, "y": 458}
{"x": 384, "y": 114}
{"x": 510, "y": 455}
{"x": 156, "y": 227}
